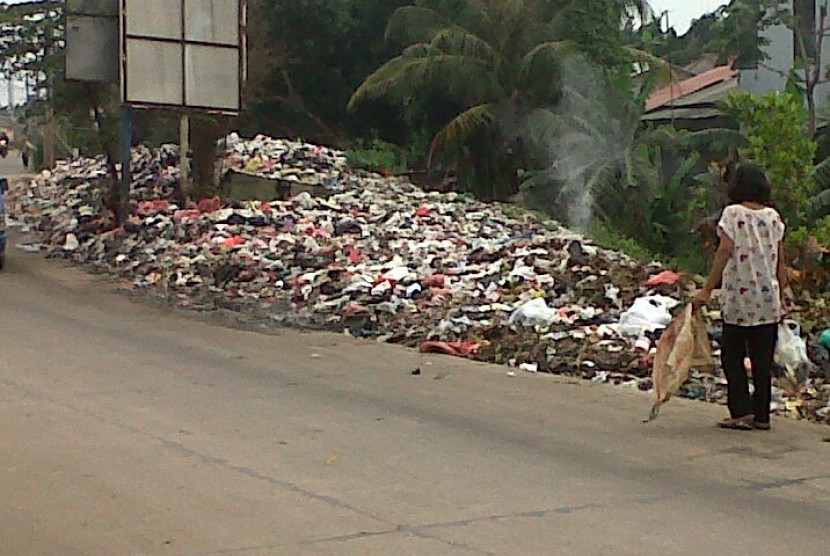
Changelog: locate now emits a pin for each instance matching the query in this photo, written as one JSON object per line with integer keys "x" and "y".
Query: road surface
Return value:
{"x": 131, "y": 430}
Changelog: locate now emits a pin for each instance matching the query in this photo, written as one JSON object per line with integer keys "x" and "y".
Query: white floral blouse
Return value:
{"x": 751, "y": 293}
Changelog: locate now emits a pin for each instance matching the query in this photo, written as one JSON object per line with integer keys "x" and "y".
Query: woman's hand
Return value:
{"x": 785, "y": 307}
{"x": 702, "y": 299}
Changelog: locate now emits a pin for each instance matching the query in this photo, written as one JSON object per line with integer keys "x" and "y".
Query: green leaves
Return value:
{"x": 547, "y": 55}
{"x": 776, "y": 127}
{"x": 461, "y": 128}
{"x": 422, "y": 66}
{"x": 457, "y": 40}
{"x": 414, "y": 24}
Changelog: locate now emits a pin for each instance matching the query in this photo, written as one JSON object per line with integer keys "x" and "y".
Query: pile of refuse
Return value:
{"x": 375, "y": 257}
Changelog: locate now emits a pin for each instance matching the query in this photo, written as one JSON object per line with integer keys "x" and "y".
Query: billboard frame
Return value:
{"x": 108, "y": 21}
{"x": 183, "y": 43}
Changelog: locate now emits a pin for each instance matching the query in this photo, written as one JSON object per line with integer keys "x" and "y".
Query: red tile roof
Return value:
{"x": 698, "y": 83}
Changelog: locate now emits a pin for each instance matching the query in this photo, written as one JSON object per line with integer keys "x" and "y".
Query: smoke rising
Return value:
{"x": 579, "y": 142}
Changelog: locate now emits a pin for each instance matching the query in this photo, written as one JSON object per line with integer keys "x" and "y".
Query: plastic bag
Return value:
{"x": 791, "y": 354}
{"x": 534, "y": 313}
{"x": 647, "y": 314}
{"x": 685, "y": 344}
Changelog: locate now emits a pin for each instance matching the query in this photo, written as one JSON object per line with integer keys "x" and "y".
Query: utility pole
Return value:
{"x": 10, "y": 83}
{"x": 49, "y": 128}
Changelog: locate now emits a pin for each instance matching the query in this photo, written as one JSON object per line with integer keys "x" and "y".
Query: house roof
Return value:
{"x": 678, "y": 91}
{"x": 703, "y": 64}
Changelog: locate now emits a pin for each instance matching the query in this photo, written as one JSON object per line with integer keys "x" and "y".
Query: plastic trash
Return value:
{"x": 534, "y": 313}
{"x": 685, "y": 344}
{"x": 647, "y": 314}
{"x": 665, "y": 278}
{"x": 791, "y": 353}
{"x": 455, "y": 349}
{"x": 529, "y": 367}
{"x": 396, "y": 274}
{"x": 612, "y": 293}
{"x": 824, "y": 340}
{"x": 71, "y": 243}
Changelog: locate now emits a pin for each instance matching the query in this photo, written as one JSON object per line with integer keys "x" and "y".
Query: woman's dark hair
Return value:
{"x": 749, "y": 184}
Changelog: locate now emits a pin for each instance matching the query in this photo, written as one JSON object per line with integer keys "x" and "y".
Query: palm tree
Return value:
{"x": 502, "y": 62}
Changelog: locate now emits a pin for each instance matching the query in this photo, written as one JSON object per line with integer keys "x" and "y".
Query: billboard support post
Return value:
{"x": 126, "y": 162}
{"x": 184, "y": 150}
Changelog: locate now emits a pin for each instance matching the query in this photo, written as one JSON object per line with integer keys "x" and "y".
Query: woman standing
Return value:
{"x": 749, "y": 267}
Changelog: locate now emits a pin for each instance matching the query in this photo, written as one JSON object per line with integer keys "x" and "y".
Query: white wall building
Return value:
{"x": 770, "y": 75}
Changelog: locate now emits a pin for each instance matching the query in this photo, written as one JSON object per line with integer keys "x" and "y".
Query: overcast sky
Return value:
{"x": 682, "y": 12}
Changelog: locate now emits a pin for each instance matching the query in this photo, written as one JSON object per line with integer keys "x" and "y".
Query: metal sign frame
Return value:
{"x": 186, "y": 46}
{"x": 92, "y": 37}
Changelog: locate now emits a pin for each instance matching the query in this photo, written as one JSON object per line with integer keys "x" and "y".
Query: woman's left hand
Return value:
{"x": 785, "y": 308}
{"x": 702, "y": 299}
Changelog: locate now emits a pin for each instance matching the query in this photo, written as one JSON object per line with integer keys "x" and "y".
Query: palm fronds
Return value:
{"x": 462, "y": 127}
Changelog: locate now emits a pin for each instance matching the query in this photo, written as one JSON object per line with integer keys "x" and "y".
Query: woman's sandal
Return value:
{"x": 740, "y": 424}
{"x": 762, "y": 426}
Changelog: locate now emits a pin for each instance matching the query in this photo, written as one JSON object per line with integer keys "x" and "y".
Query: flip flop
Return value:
{"x": 762, "y": 426}
{"x": 740, "y": 424}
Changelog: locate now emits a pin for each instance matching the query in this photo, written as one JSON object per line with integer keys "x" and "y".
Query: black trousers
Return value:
{"x": 758, "y": 343}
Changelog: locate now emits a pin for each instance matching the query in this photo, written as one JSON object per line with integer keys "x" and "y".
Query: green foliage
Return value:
{"x": 798, "y": 238}
{"x": 608, "y": 238}
{"x": 776, "y": 128}
{"x": 729, "y": 33}
{"x": 307, "y": 57}
{"x": 664, "y": 205}
{"x": 500, "y": 64}
{"x": 599, "y": 30}
{"x": 376, "y": 156}
{"x": 821, "y": 231}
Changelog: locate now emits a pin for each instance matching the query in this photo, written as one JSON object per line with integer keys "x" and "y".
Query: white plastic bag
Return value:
{"x": 791, "y": 353}
{"x": 647, "y": 314}
{"x": 534, "y": 313}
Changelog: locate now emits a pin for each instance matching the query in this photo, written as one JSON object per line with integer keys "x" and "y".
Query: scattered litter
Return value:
{"x": 375, "y": 257}
{"x": 529, "y": 367}
{"x": 665, "y": 278}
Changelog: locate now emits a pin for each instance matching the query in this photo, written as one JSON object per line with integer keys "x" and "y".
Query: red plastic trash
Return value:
{"x": 234, "y": 242}
{"x": 665, "y": 278}
{"x": 209, "y": 205}
{"x": 455, "y": 349}
{"x": 355, "y": 257}
{"x": 434, "y": 281}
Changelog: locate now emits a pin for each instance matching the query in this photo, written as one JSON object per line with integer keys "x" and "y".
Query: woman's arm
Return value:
{"x": 721, "y": 259}
{"x": 716, "y": 275}
{"x": 781, "y": 274}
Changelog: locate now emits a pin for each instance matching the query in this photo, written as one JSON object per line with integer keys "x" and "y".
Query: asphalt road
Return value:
{"x": 130, "y": 430}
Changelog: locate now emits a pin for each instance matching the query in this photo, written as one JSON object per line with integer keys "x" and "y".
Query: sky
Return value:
{"x": 682, "y": 12}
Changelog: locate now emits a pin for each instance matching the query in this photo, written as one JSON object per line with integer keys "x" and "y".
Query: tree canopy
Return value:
{"x": 532, "y": 100}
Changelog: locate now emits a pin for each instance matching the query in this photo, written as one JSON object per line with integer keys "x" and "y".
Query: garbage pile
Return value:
{"x": 374, "y": 257}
